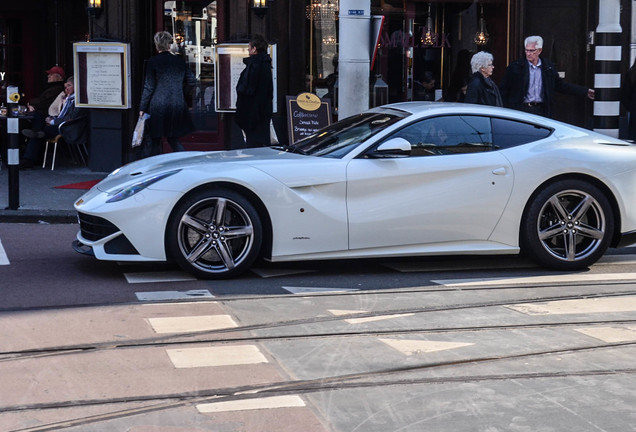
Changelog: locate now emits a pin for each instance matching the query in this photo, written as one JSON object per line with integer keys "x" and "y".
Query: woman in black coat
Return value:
{"x": 167, "y": 75}
{"x": 255, "y": 91}
{"x": 481, "y": 89}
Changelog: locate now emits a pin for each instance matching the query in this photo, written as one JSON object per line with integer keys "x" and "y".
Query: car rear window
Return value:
{"x": 510, "y": 133}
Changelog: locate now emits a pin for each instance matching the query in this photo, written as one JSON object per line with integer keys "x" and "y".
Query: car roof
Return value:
{"x": 425, "y": 109}
{"x": 456, "y": 107}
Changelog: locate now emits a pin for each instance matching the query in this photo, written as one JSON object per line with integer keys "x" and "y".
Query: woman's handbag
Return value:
{"x": 138, "y": 134}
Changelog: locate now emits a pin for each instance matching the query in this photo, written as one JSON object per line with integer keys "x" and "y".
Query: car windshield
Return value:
{"x": 340, "y": 138}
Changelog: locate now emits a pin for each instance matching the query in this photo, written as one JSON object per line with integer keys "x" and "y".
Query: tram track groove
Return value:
{"x": 182, "y": 338}
{"x": 338, "y": 382}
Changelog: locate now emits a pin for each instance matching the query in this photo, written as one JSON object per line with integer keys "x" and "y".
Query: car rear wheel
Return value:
{"x": 567, "y": 226}
{"x": 215, "y": 234}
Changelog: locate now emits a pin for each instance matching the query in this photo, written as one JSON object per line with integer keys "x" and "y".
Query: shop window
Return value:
{"x": 322, "y": 16}
{"x": 193, "y": 25}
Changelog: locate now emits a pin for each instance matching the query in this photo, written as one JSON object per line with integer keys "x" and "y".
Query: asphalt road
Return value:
{"x": 453, "y": 344}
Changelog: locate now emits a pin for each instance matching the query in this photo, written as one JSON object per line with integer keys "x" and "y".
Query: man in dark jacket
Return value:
{"x": 529, "y": 84}
{"x": 49, "y": 127}
{"x": 255, "y": 91}
{"x": 54, "y": 86}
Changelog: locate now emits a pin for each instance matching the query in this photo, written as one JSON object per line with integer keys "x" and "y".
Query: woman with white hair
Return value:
{"x": 481, "y": 89}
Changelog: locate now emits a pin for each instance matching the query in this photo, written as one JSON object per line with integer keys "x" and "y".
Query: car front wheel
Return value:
{"x": 214, "y": 234}
{"x": 567, "y": 226}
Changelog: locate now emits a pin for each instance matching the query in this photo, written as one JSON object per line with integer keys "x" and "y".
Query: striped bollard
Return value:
{"x": 607, "y": 77}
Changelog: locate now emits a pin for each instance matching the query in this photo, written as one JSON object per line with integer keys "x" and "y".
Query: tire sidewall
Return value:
{"x": 532, "y": 246}
{"x": 172, "y": 232}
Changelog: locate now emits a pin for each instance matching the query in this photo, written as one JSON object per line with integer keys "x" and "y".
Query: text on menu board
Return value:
{"x": 102, "y": 75}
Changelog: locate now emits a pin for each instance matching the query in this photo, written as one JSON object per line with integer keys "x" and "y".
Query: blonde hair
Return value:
{"x": 163, "y": 40}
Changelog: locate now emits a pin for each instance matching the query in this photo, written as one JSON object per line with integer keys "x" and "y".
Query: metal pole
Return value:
{"x": 13, "y": 155}
{"x": 607, "y": 79}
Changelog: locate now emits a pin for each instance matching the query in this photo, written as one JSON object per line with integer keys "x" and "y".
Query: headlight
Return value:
{"x": 138, "y": 187}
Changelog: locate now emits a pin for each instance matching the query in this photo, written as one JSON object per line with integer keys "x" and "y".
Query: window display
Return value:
{"x": 193, "y": 25}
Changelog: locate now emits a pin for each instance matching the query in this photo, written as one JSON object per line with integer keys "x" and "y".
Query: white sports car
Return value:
{"x": 399, "y": 180}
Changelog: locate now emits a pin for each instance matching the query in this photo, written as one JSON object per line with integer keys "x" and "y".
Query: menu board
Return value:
{"x": 102, "y": 75}
{"x": 228, "y": 66}
{"x": 306, "y": 114}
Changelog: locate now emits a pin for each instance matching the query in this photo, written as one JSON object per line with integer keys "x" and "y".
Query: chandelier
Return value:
{"x": 323, "y": 12}
{"x": 481, "y": 37}
{"x": 429, "y": 37}
{"x": 329, "y": 40}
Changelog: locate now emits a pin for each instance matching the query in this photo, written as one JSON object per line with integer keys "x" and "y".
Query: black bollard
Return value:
{"x": 13, "y": 156}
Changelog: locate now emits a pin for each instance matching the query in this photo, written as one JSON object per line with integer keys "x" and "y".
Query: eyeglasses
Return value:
{"x": 532, "y": 50}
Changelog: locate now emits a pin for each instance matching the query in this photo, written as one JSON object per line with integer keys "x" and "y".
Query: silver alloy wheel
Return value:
{"x": 571, "y": 225}
{"x": 215, "y": 235}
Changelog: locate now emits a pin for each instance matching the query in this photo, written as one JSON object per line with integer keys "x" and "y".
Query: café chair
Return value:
{"x": 73, "y": 133}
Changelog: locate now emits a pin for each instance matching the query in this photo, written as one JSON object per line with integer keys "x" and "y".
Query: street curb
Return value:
{"x": 38, "y": 216}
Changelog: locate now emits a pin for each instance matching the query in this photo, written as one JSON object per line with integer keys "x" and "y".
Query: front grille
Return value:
{"x": 94, "y": 228}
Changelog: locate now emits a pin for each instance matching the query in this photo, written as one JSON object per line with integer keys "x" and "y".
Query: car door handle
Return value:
{"x": 500, "y": 171}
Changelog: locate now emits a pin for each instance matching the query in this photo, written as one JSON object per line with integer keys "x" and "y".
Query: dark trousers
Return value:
{"x": 34, "y": 145}
{"x": 152, "y": 146}
{"x": 258, "y": 136}
{"x": 534, "y": 108}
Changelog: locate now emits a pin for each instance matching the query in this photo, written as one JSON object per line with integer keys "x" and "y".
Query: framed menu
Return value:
{"x": 102, "y": 75}
{"x": 228, "y": 66}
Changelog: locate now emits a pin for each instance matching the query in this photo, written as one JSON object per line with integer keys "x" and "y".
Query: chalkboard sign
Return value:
{"x": 306, "y": 114}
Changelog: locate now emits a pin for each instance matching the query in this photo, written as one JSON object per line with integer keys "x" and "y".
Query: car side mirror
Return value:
{"x": 394, "y": 147}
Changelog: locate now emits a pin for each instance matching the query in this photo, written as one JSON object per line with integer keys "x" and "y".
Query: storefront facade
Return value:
{"x": 420, "y": 42}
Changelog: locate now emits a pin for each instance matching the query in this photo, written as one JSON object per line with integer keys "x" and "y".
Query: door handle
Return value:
{"x": 500, "y": 171}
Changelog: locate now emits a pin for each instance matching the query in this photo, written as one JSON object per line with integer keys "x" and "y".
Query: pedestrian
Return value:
{"x": 424, "y": 89}
{"x": 255, "y": 91}
{"x": 167, "y": 77}
{"x": 49, "y": 127}
{"x": 54, "y": 86}
{"x": 628, "y": 99}
{"x": 529, "y": 83}
{"x": 482, "y": 89}
{"x": 460, "y": 77}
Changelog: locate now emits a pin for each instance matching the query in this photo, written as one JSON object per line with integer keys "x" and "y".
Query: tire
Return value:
{"x": 567, "y": 226}
{"x": 214, "y": 234}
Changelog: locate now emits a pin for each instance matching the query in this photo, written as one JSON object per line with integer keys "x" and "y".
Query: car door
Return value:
{"x": 453, "y": 187}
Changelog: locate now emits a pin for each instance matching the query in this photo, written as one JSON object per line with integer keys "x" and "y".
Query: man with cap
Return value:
{"x": 54, "y": 86}
{"x": 39, "y": 107}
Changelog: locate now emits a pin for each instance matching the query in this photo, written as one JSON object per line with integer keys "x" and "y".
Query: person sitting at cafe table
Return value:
{"x": 54, "y": 86}
{"x": 49, "y": 127}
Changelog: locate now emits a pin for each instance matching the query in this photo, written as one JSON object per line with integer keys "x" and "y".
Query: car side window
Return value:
{"x": 448, "y": 135}
{"x": 511, "y": 133}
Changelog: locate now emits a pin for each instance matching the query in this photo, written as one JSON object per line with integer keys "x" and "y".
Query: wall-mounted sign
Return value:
{"x": 228, "y": 66}
{"x": 306, "y": 114}
{"x": 102, "y": 75}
